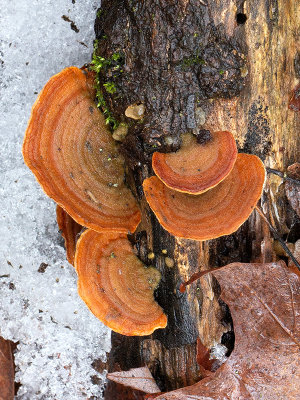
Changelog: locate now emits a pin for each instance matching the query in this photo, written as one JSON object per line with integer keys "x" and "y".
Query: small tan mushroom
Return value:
{"x": 120, "y": 133}
{"x": 135, "y": 111}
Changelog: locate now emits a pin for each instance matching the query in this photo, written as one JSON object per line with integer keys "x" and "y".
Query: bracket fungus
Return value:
{"x": 74, "y": 157}
{"x": 217, "y": 212}
{"x": 196, "y": 168}
{"x": 69, "y": 230}
{"x": 115, "y": 284}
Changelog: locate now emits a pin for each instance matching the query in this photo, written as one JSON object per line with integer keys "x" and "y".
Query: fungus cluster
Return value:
{"x": 76, "y": 161}
{"x": 204, "y": 191}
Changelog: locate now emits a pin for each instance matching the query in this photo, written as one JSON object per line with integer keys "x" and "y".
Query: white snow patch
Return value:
{"x": 58, "y": 337}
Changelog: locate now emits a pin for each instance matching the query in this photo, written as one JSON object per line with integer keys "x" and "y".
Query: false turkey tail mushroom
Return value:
{"x": 116, "y": 286}
{"x": 217, "y": 212}
{"x": 74, "y": 158}
{"x": 69, "y": 230}
{"x": 196, "y": 168}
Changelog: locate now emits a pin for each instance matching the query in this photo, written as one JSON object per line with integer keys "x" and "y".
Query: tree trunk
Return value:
{"x": 216, "y": 65}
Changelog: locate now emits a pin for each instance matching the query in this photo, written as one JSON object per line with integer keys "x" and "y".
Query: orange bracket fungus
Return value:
{"x": 69, "y": 230}
{"x": 115, "y": 284}
{"x": 217, "y": 212}
{"x": 74, "y": 157}
{"x": 195, "y": 168}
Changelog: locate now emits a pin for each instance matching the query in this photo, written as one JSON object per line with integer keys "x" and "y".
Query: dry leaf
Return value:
{"x": 115, "y": 391}
{"x": 136, "y": 378}
{"x": 7, "y": 375}
{"x": 292, "y": 190}
{"x": 203, "y": 359}
{"x": 150, "y": 396}
{"x": 264, "y": 301}
{"x": 296, "y": 254}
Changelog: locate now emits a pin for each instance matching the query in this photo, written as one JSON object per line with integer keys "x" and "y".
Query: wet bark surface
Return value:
{"x": 222, "y": 65}
{"x": 173, "y": 57}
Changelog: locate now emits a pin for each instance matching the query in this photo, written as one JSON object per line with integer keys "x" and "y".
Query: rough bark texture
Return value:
{"x": 227, "y": 65}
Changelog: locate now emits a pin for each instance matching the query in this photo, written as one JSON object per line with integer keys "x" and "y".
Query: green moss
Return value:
{"x": 110, "y": 87}
{"x": 101, "y": 65}
{"x": 191, "y": 61}
{"x": 116, "y": 56}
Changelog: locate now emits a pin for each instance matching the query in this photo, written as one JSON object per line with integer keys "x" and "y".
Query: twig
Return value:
{"x": 276, "y": 235}
{"x": 196, "y": 276}
{"x": 199, "y": 274}
{"x": 282, "y": 175}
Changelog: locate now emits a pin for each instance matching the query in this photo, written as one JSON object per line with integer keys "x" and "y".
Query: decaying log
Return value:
{"x": 195, "y": 65}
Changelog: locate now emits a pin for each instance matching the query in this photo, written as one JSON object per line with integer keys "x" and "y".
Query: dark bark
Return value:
{"x": 174, "y": 57}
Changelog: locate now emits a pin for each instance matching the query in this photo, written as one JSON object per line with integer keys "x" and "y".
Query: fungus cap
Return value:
{"x": 69, "y": 230}
{"x": 73, "y": 156}
{"x": 217, "y": 212}
{"x": 115, "y": 284}
{"x": 195, "y": 168}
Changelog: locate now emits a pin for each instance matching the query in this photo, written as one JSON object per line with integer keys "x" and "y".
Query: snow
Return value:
{"x": 58, "y": 338}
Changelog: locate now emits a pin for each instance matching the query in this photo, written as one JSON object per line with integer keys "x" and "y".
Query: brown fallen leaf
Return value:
{"x": 116, "y": 391}
{"x": 296, "y": 254}
{"x": 203, "y": 359}
{"x": 294, "y": 103}
{"x": 151, "y": 396}
{"x": 7, "y": 374}
{"x": 264, "y": 301}
{"x": 292, "y": 189}
{"x": 136, "y": 378}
